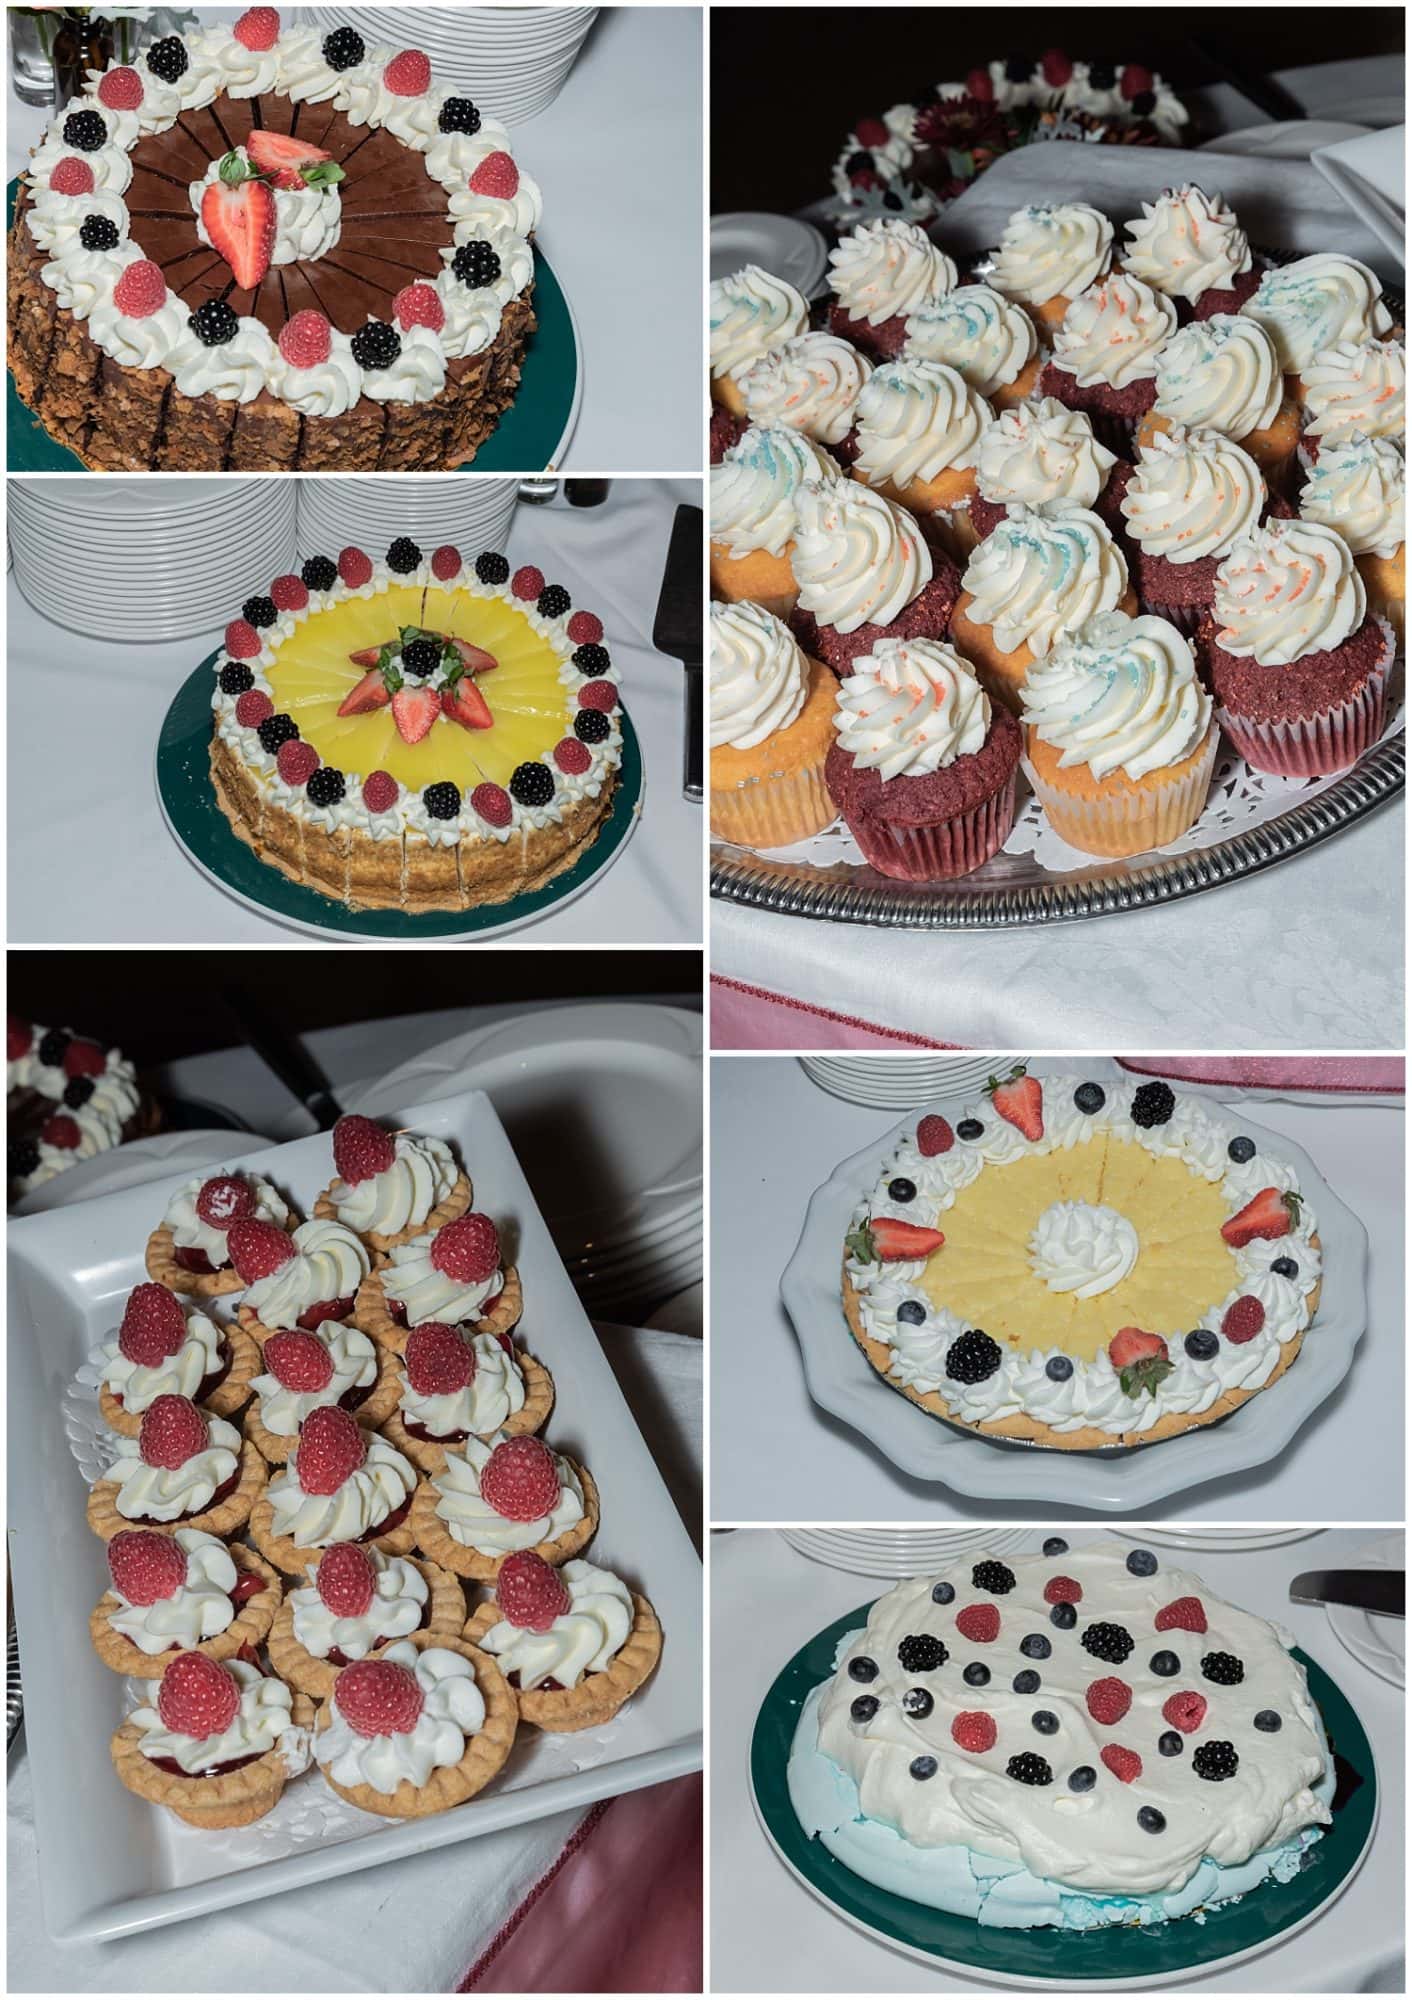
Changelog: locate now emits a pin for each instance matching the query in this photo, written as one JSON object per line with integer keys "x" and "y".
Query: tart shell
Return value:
{"x": 249, "y": 1627}
{"x": 455, "y": 1204}
{"x": 227, "y": 1400}
{"x": 430, "y": 1458}
{"x": 224, "y": 1519}
{"x": 372, "y": 1413}
{"x": 232, "y": 1798}
{"x": 598, "y": 1697}
{"x": 372, "y": 1317}
{"x": 163, "y": 1269}
{"x": 294, "y": 1663}
{"x": 436, "y": 1541}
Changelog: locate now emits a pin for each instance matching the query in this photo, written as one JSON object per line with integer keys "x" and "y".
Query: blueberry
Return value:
{"x": 1055, "y": 1546}
{"x": 1058, "y": 1367}
{"x": 901, "y": 1190}
{"x": 862, "y": 1668}
{"x": 1082, "y": 1778}
{"x": 970, "y": 1128}
{"x": 943, "y": 1593}
{"x": 976, "y": 1675}
{"x": 1090, "y": 1097}
{"x": 1142, "y": 1562}
{"x": 864, "y": 1708}
{"x": 1035, "y": 1646}
{"x": 1166, "y": 1664}
{"x": 1267, "y": 1720}
{"x": 1170, "y": 1744}
{"x": 1064, "y": 1616}
{"x": 1241, "y": 1150}
{"x": 912, "y": 1312}
{"x": 1202, "y": 1345}
{"x": 923, "y": 1767}
{"x": 1150, "y": 1820}
{"x": 1285, "y": 1267}
{"x": 1026, "y": 1681}
{"x": 918, "y": 1703}
{"x": 1045, "y": 1721}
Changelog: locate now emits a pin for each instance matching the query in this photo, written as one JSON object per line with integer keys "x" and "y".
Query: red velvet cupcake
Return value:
{"x": 1189, "y": 246}
{"x": 865, "y": 573}
{"x": 1105, "y": 355}
{"x": 1191, "y": 497}
{"x": 880, "y": 274}
{"x": 1040, "y": 455}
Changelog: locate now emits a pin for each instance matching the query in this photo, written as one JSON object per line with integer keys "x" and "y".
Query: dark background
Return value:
{"x": 789, "y": 83}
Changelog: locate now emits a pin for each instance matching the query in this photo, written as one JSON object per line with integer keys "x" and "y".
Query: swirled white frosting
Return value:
{"x": 111, "y": 166}
{"x": 1041, "y": 455}
{"x": 56, "y": 219}
{"x": 1315, "y": 303}
{"x": 755, "y": 487}
{"x": 1052, "y": 252}
{"x": 400, "y": 1594}
{"x": 1360, "y": 489}
{"x": 264, "y": 1721}
{"x": 1194, "y": 494}
{"x": 911, "y": 706}
{"x": 181, "y": 1374}
{"x": 1119, "y": 694}
{"x": 1186, "y": 243}
{"x": 200, "y": 1608}
{"x": 885, "y": 270}
{"x": 1220, "y": 374}
{"x": 453, "y": 1710}
{"x": 582, "y": 1640}
{"x": 418, "y": 373}
{"x": 402, "y": 1196}
{"x": 758, "y": 678}
{"x": 474, "y": 1523}
{"x": 520, "y": 212}
{"x": 138, "y": 343}
{"x": 1082, "y": 1247}
{"x": 1286, "y": 590}
{"x": 916, "y": 420}
{"x": 858, "y": 559}
{"x": 414, "y": 1281}
{"x": 810, "y": 383}
{"x": 1039, "y": 576}
{"x": 326, "y": 388}
{"x": 751, "y": 311}
{"x": 308, "y": 221}
{"x": 494, "y": 1394}
{"x": 1358, "y": 385}
{"x": 101, "y": 1121}
{"x": 164, "y": 1493}
{"x": 234, "y": 372}
{"x": 1112, "y": 334}
{"x": 358, "y": 1507}
{"x": 189, "y": 1232}
{"x": 355, "y": 1366}
{"x": 81, "y": 279}
{"x": 328, "y": 1263}
{"x": 974, "y": 330}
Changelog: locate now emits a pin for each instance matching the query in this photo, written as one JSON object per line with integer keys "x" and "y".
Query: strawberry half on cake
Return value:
{"x": 167, "y": 1348}
{"x": 189, "y": 1250}
{"x": 457, "y": 1277}
{"x": 341, "y": 1484}
{"x": 391, "y": 1187}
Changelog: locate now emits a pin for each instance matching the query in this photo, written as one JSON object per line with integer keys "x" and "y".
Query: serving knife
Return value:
{"x": 1380, "y": 1590}
{"x": 677, "y": 630}
{"x": 286, "y": 1056}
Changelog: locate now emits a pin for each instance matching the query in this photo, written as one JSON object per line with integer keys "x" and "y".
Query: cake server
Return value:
{"x": 1380, "y": 1590}
{"x": 286, "y": 1056}
{"x": 677, "y": 630}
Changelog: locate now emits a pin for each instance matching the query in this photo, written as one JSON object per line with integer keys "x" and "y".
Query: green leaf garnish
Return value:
{"x": 321, "y": 174}
{"x": 859, "y": 1244}
{"x": 1145, "y": 1376}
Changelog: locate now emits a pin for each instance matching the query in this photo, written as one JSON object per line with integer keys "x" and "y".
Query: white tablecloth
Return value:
{"x": 776, "y": 1457}
{"x": 618, "y": 155}
{"x": 768, "y": 1934}
{"x": 101, "y": 867}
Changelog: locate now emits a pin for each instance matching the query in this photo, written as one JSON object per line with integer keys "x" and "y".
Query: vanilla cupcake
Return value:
{"x": 1105, "y": 355}
{"x": 1358, "y": 385}
{"x": 920, "y": 427}
{"x": 751, "y": 312}
{"x": 880, "y": 274}
{"x": 1314, "y": 304}
{"x": 1359, "y": 489}
{"x": 808, "y": 384}
{"x": 987, "y": 339}
{"x": 1189, "y": 245}
{"x": 1120, "y": 736}
{"x": 1192, "y": 497}
{"x": 753, "y": 515}
{"x": 771, "y": 728}
{"x": 1042, "y": 456}
{"x": 1049, "y": 255}
{"x": 1223, "y": 374}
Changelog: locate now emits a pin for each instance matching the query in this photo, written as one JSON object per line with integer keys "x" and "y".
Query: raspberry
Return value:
{"x": 173, "y": 1430}
{"x": 380, "y": 792}
{"x": 141, "y": 290}
{"x": 306, "y": 340}
{"x": 1183, "y": 1614}
{"x": 498, "y": 176}
{"x": 330, "y": 1449}
{"x": 601, "y": 695}
{"x": 19, "y": 1037}
{"x": 419, "y": 305}
{"x": 120, "y": 89}
{"x": 1062, "y": 1590}
{"x": 979, "y": 1623}
{"x": 257, "y": 28}
{"x": 84, "y": 1058}
{"x": 346, "y": 1579}
{"x": 974, "y": 1730}
{"x": 1124, "y": 1764}
{"x": 289, "y": 593}
{"x": 299, "y": 1361}
{"x": 527, "y": 583}
{"x": 1056, "y": 68}
{"x": 408, "y": 74}
{"x": 354, "y": 567}
{"x": 146, "y": 1567}
{"x": 224, "y": 1199}
{"x": 1108, "y": 1700}
{"x": 154, "y": 1326}
{"x": 378, "y": 1698}
{"x": 934, "y": 1136}
{"x": 521, "y": 1480}
{"x": 252, "y": 708}
{"x": 585, "y": 629}
{"x": 530, "y": 1592}
{"x": 72, "y": 176}
{"x": 361, "y": 1149}
{"x": 1243, "y": 1320}
{"x": 438, "y": 1361}
{"x": 467, "y": 1250}
{"x": 871, "y": 132}
{"x": 297, "y": 762}
{"x": 198, "y": 1696}
{"x": 61, "y": 1132}
{"x": 979, "y": 85}
{"x": 1134, "y": 80}
{"x": 257, "y": 1249}
{"x": 445, "y": 562}
{"x": 242, "y": 640}
{"x": 1185, "y": 1711}
{"x": 572, "y": 756}
{"x": 492, "y": 802}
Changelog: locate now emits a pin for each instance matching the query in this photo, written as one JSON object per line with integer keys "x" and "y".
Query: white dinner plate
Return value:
{"x": 790, "y": 249}
{"x": 1213, "y": 1539}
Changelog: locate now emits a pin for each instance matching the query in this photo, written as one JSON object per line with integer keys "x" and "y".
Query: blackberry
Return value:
{"x": 1241, "y": 1150}
{"x": 1153, "y": 1105}
{"x": 1055, "y": 1546}
{"x": 977, "y": 1675}
{"x": 591, "y": 725}
{"x": 79, "y": 1089}
{"x": 864, "y": 1708}
{"x": 1018, "y": 69}
{"x": 1058, "y": 1367}
{"x": 970, "y": 1128}
{"x": 421, "y": 657}
{"x": 1034, "y": 1646}
{"x": 1090, "y": 1097}
{"x": 1102, "y": 75}
{"x": 343, "y": 49}
{"x": 921, "y": 1653}
{"x": 168, "y": 58}
{"x": 442, "y": 801}
{"x": 236, "y": 678}
{"x": 912, "y": 1312}
{"x": 1045, "y": 1721}
{"x": 319, "y": 573}
{"x": 1063, "y": 1617}
{"x": 1216, "y": 1760}
{"x": 403, "y": 556}
{"x": 87, "y": 130}
{"x": 1285, "y": 1267}
{"x": 892, "y": 201}
{"x": 901, "y": 1190}
{"x": 1145, "y": 103}
{"x": 54, "y": 1047}
{"x": 860, "y": 162}
{"x": 277, "y": 729}
{"x": 261, "y": 612}
{"x": 592, "y": 659}
{"x": 1107, "y": 1642}
{"x": 98, "y": 233}
{"x": 973, "y": 1358}
{"x": 532, "y": 784}
{"x": 493, "y": 569}
{"x": 325, "y": 786}
{"x": 1170, "y": 1743}
{"x": 476, "y": 263}
{"x": 1150, "y": 1820}
{"x": 214, "y": 323}
{"x": 1201, "y": 1344}
{"x": 943, "y": 1593}
{"x": 923, "y": 1767}
{"x": 1028, "y": 1769}
{"x": 1223, "y": 1668}
{"x": 23, "y": 1158}
{"x": 1026, "y": 1681}
{"x": 1142, "y": 1562}
{"x": 917, "y": 1703}
{"x": 993, "y": 1578}
{"x": 1165, "y": 1664}
{"x": 862, "y": 1669}
{"x": 376, "y": 345}
{"x": 1268, "y": 1720}
{"x": 458, "y": 114}
{"x": 1082, "y": 1778}
{"x": 553, "y": 601}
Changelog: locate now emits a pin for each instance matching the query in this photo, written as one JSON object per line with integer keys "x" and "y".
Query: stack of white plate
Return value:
{"x": 897, "y": 1551}
{"x": 513, "y": 61}
{"x": 1214, "y": 1539}
{"x": 143, "y": 560}
{"x": 896, "y": 1083}
{"x": 474, "y": 514}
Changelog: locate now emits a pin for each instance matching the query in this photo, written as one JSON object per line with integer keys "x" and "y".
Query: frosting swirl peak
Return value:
{"x": 1220, "y": 374}
{"x": 758, "y": 677}
{"x": 1112, "y": 333}
{"x": 1039, "y": 576}
{"x": 909, "y": 707}
{"x": 1187, "y": 242}
{"x": 1193, "y": 495}
{"x": 810, "y": 383}
{"x": 1041, "y": 455}
{"x": 1359, "y": 488}
{"x": 915, "y": 420}
{"x": 1315, "y": 303}
{"x": 1120, "y": 694}
{"x": 1048, "y": 253}
{"x": 753, "y": 489}
{"x": 1358, "y": 385}
{"x": 886, "y": 269}
{"x": 858, "y": 559}
{"x": 984, "y": 337}
{"x": 750, "y": 312}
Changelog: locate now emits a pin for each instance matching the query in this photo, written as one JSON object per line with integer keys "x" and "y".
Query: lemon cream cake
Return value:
{"x": 1076, "y": 1739}
{"x": 1082, "y": 1264}
{"x": 419, "y": 733}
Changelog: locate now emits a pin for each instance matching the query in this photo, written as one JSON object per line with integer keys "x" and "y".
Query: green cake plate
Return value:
{"x": 188, "y": 803}
{"x": 1161, "y": 1955}
{"x": 532, "y": 436}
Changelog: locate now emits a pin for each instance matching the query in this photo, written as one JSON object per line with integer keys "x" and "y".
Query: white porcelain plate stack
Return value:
{"x": 896, "y": 1083}
{"x": 899, "y": 1552}
{"x": 144, "y": 560}
{"x": 474, "y": 514}
{"x": 513, "y": 61}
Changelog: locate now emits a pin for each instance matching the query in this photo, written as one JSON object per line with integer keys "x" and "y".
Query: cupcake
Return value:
{"x": 753, "y": 492}
{"x": 1358, "y": 385}
{"x": 1037, "y": 577}
{"x": 1359, "y": 489}
{"x": 726, "y": 429}
{"x": 751, "y": 312}
{"x": 771, "y": 727}
{"x": 1191, "y": 498}
{"x": 1314, "y": 304}
{"x": 1190, "y": 246}
{"x": 1041, "y": 455}
{"x": 1223, "y": 374}
{"x": 1298, "y": 668}
{"x": 923, "y": 769}
{"x": 879, "y": 274}
{"x": 987, "y": 339}
{"x": 865, "y": 573}
{"x": 1105, "y": 355}
{"x": 1120, "y": 736}
{"x": 1048, "y": 256}
{"x": 919, "y": 428}
{"x": 808, "y": 384}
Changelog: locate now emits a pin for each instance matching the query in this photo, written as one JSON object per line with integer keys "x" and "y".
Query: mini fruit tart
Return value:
{"x": 164, "y": 1348}
{"x": 455, "y": 1276}
{"x": 421, "y": 1728}
{"x": 297, "y": 1280}
{"x": 573, "y": 1643}
{"x": 216, "y": 1743}
{"x": 360, "y": 1600}
{"x": 188, "y": 1251}
{"x": 499, "y": 1495}
{"x": 454, "y": 1384}
{"x": 391, "y": 1187}
{"x": 184, "y": 1469}
{"x": 181, "y": 1593}
{"x": 313, "y": 1368}
{"x": 341, "y": 1484}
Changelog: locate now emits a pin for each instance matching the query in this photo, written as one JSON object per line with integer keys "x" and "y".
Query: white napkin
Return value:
{"x": 1369, "y": 174}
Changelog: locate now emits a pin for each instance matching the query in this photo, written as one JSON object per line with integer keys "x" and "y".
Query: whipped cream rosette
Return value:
{"x": 215, "y": 1743}
{"x": 456, "y": 1277}
{"x": 753, "y": 513}
{"x": 573, "y": 1643}
{"x": 1040, "y": 455}
{"x": 340, "y": 1484}
{"x": 880, "y": 274}
{"x": 313, "y": 1275}
{"x": 499, "y": 1495}
{"x": 1048, "y": 255}
{"x": 1359, "y": 489}
{"x": 1356, "y": 387}
{"x": 859, "y": 559}
{"x": 1188, "y": 244}
{"x": 919, "y": 433}
{"x": 184, "y": 1469}
{"x": 331, "y": 1364}
{"x": 357, "y": 1601}
{"x": 1287, "y": 590}
{"x": 165, "y": 1347}
{"x": 758, "y": 676}
{"x": 1105, "y": 353}
{"x": 454, "y": 1385}
{"x": 69, "y": 1100}
{"x": 189, "y": 1251}
{"x": 750, "y": 312}
{"x": 1316, "y": 303}
{"x": 391, "y": 1187}
{"x": 988, "y": 340}
{"x": 176, "y": 1593}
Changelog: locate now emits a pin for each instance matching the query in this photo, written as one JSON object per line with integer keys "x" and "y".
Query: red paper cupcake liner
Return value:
{"x": 937, "y": 853}
{"x": 1316, "y": 745}
{"x": 1186, "y": 617}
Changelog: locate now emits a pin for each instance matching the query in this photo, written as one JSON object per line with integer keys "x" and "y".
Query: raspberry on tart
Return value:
{"x": 164, "y": 1346}
{"x": 186, "y": 1468}
{"x": 496, "y": 1496}
{"x": 358, "y": 1600}
{"x": 214, "y": 1742}
{"x": 190, "y": 1249}
{"x": 180, "y": 1592}
{"x": 340, "y": 1483}
{"x": 574, "y": 1643}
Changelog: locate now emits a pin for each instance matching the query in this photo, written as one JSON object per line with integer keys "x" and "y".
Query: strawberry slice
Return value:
{"x": 239, "y": 217}
{"x": 369, "y": 656}
{"x": 414, "y": 710}
{"x": 475, "y": 659}
{"x": 1140, "y": 1360}
{"x": 371, "y": 692}
{"x": 1019, "y": 1098}
{"x": 464, "y": 703}
{"x": 896, "y": 1242}
{"x": 1272, "y": 1214}
{"x": 281, "y": 157}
